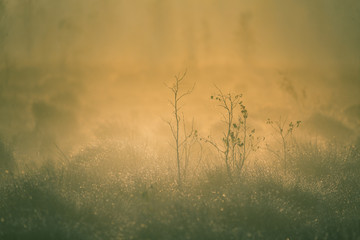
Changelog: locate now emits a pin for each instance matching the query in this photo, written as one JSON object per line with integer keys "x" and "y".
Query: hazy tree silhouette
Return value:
{"x": 175, "y": 127}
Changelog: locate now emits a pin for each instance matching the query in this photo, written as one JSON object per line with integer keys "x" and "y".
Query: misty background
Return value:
{"x": 73, "y": 72}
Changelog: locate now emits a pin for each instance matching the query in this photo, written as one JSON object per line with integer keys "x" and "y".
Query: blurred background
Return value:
{"x": 74, "y": 72}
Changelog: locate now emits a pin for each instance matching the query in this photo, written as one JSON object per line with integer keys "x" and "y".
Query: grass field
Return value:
{"x": 94, "y": 195}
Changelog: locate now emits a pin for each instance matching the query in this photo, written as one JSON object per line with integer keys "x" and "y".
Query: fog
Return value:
{"x": 73, "y": 72}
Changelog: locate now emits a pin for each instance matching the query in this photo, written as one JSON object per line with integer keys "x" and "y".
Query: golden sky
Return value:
{"x": 72, "y": 71}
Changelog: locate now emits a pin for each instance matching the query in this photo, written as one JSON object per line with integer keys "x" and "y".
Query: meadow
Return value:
{"x": 116, "y": 190}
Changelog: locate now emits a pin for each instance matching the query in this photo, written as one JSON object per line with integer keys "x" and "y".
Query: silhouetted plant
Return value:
{"x": 191, "y": 138}
{"x": 284, "y": 129}
{"x": 181, "y": 143}
{"x": 238, "y": 140}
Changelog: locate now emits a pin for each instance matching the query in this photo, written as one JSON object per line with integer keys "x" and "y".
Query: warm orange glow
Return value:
{"x": 73, "y": 68}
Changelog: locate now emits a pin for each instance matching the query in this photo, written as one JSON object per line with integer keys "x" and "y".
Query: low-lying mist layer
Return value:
{"x": 75, "y": 172}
